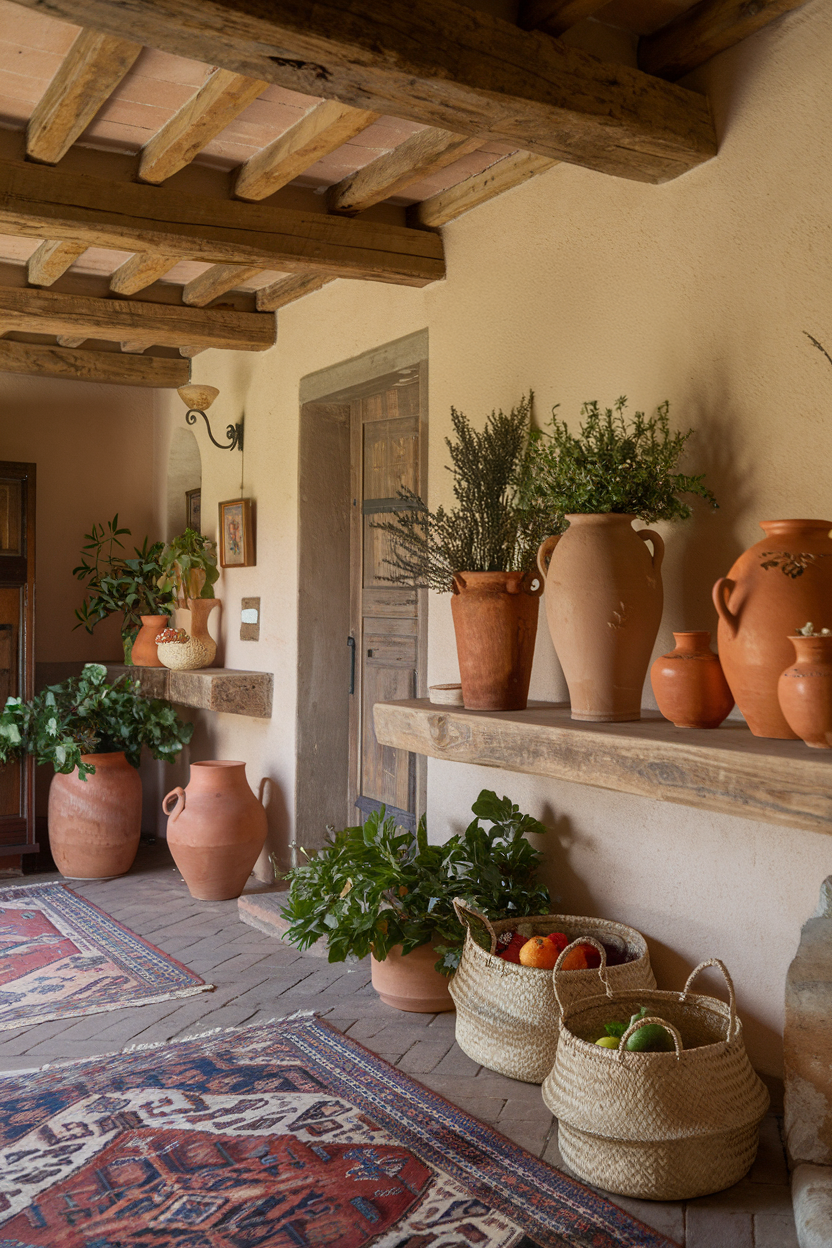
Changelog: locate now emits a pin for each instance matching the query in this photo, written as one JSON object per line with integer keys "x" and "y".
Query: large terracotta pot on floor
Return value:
{"x": 689, "y": 684}
{"x": 95, "y": 824}
{"x": 495, "y": 621}
{"x": 604, "y": 603}
{"x": 805, "y": 691}
{"x": 144, "y": 653}
{"x": 411, "y": 982}
{"x": 216, "y": 829}
{"x": 774, "y": 588}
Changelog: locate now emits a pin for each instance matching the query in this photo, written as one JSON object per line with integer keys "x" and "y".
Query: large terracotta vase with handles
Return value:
{"x": 774, "y": 588}
{"x": 495, "y": 621}
{"x": 604, "y": 602}
{"x": 216, "y": 829}
{"x": 95, "y": 824}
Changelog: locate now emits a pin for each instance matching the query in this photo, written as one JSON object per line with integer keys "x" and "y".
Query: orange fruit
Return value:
{"x": 540, "y": 952}
{"x": 582, "y": 958}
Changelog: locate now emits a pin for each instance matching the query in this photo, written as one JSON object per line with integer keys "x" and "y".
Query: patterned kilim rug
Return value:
{"x": 286, "y": 1135}
{"x": 61, "y": 956}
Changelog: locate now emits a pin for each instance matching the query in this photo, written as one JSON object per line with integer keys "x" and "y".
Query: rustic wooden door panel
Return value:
{"x": 17, "y": 566}
{"x": 387, "y": 773}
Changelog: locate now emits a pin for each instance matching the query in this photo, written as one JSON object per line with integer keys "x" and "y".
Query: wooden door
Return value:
{"x": 17, "y": 602}
{"x": 387, "y": 621}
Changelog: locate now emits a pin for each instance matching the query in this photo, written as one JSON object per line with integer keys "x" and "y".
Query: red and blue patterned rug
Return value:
{"x": 281, "y": 1135}
{"x": 61, "y": 956}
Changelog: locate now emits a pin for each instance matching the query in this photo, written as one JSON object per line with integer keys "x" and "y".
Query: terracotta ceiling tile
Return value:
{"x": 35, "y": 30}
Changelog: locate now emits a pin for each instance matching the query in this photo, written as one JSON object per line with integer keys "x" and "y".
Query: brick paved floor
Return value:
{"x": 257, "y": 978}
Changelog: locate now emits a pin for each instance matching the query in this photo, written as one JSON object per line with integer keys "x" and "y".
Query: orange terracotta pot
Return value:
{"x": 773, "y": 589}
{"x": 411, "y": 982}
{"x": 689, "y": 684}
{"x": 95, "y": 824}
{"x": 144, "y": 653}
{"x": 495, "y": 622}
{"x": 604, "y": 603}
{"x": 216, "y": 829}
{"x": 805, "y": 691}
{"x": 200, "y": 609}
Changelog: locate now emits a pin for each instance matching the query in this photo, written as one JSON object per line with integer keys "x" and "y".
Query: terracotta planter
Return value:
{"x": 411, "y": 982}
{"x": 95, "y": 824}
{"x": 805, "y": 691}
{"x": 216, "y": 829}
{"x": 495, "y": 621}
{"x": 200, "y": 609}
{"x": 774, "y": 588}
{"x": 604, "y": 603}
{"x": 689, "y": 684}
{"x": 144, "y": 653}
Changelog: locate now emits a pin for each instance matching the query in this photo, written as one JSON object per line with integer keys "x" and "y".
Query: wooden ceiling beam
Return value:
{"x": 200, "y": 119}
{"x": 437, "y": 62}
{"x": 41, "y": 202}
{"x": 288, "y": 289}
{"x": 216, "y": 281}
{"x": 420, "y": 155}
{"x": 447, "y": 205}
{"x": 51, "y": 260}
{"x": 556, "y": 16}
{"x": 89, "y": 73}
{"x": 699, "y": 33}
{"x": 65, "y": 340}
{"x": 140, "y": 271}
{"x": 322, "y": 130}
{"x": 111, "y": 367}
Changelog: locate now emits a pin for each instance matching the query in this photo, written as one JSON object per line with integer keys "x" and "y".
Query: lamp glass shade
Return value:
{"x": 197, "y": 398}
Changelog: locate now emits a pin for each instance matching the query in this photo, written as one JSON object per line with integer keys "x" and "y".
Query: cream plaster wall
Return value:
{"x": 582, "y": 286}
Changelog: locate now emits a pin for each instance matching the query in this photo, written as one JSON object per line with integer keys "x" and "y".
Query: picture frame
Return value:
{"x": 193, "y": 509}
{"x": 236, "y": 534}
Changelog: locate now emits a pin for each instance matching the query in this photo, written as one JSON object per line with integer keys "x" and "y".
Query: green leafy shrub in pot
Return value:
{"x": 373, "y": 887}
{"x": 189, "y": 566}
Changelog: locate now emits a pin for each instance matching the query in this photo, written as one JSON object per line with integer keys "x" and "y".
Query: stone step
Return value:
{"x": 263, "y": 910}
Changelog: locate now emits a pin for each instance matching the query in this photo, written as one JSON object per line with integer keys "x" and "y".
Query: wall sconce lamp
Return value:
{"x": 197, "y": 398}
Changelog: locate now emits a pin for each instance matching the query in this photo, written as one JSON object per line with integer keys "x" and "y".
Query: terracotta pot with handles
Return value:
{"x": 495, "y": 622}
{"x": 216, "y": 829}
{"x": 604, "y": 603}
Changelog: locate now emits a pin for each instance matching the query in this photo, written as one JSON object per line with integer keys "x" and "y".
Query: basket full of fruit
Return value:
{"x": 506, "y": 1011}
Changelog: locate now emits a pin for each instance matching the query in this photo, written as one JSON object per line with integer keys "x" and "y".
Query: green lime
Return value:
{"x": 650, "y": 1039}
{"x": 608, "y": 1042}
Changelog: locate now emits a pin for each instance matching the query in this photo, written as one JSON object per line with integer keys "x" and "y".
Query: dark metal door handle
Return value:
{"x": 351, "y": 644}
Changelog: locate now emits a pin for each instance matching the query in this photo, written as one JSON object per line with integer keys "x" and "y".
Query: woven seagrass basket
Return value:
{"x": 506, "y": 1014}
{"x": 659, "y": 1126}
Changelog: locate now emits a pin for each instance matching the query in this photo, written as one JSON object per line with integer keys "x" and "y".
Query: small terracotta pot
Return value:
{"x": 411, "y": 981}
{"x": 805, "y": 691}
{"x": 95, "y": 824}
{"x": 144, "y": 653}
{"x": 216, "y": 829}
{"x": 200, "y": 609}
{"x": 495, "y": 621}
{"x": 690, "y": 688}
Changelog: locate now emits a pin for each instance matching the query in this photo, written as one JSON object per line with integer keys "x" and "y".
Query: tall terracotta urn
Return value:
{"x": 689, "y": 684}
{"x": 805, "y": 691}
{"x": 495, "y": 621}
{"x": 144, "y": 653}
{"x": 604, "y": 603}
{"x": 411, "y": 982}
{"x": 773, "y": 589}
{"x": 216, "y": 829}
{"x": 95, "y": 824}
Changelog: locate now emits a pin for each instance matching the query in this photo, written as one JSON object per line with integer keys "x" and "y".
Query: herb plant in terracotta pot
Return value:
{"x": 604, "y": 593}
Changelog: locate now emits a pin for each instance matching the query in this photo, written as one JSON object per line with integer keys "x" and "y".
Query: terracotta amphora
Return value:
{"x": 495, "y": 621}
{"x": 604, "y": 603}
{"x": 95, "y": 824}
{"x": 411, "y": 981}
{"x": 805, "y": 691}
{"x": 689, "y": 684}
{"x": 216, "y": 829}
{"x": 144, "y": 653}
{"x": 773, "y": 589}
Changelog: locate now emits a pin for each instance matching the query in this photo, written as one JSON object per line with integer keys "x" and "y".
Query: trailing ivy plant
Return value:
{"x": 372, "y": 887}
{"x": 489, "y": 529}
{"x": 86, "y": 715}
{"x": 613, "y": 464}
{"x": 189, "y": 566}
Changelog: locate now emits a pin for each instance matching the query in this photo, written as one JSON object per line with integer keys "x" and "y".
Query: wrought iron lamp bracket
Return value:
{"x": 234, "y": 433}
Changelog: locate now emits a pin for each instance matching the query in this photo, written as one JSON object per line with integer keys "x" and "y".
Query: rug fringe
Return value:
{"x": 191, "y": 991}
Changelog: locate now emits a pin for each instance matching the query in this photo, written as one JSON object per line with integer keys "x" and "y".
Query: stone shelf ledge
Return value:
{"x": 209, "y": 688}
{"x": 725, "y": 769}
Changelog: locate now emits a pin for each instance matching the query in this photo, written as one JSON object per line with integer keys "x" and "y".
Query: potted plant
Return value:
{"x": 603, "y": 587}
{"x": 382, "y": 890}
{"x": 483, "y": 551}
{"x": 92, "y": 733}
{"x": 131, "y": 587}
{"x": 189, "y": 566}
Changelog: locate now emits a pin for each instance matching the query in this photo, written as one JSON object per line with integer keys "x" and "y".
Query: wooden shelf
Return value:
{"x": 209, "y": 688}
{"x": 725, "y": 769}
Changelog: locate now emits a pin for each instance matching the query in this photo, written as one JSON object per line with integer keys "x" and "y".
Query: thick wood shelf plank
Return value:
{"x": 209, "y": 688}
{"x": 725, "y": 769}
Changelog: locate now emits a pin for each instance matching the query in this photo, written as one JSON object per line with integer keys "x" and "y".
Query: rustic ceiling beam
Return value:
{"x": 41, "y": 202}
{"x": 218, "y": 101}
{"x": 66, "y": 340}
{"x": 556, "y": 16}
{"x": 140, "y": 271}
{"x": 214, "y": 282}
{"x": 417, "y": 157}
{"x": 89, "y": 73}
{"x": 699, "y": 33}
{"x": 107, "y": 366}
{"x": 439, "y": 63}
{"x": 51, "y": 260}
{"x": 322, "y": 130}
{"x": 288, "y": 289}
{"x": 445, "y": 206}
{"x": 123, "y": 320}
{"x": 133, "y": 348}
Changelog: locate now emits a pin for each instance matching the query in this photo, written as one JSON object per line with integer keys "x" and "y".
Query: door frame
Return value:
{"x": 19, "y": 571}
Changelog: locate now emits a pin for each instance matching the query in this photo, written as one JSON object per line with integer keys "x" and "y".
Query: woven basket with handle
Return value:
{"x": 506, "y": 1014}
{"x": 660, "y": 1126}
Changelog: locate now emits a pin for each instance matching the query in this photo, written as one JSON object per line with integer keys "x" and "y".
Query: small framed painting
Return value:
{"x": 237, "y": 534}
{"x": 193, "y": 508}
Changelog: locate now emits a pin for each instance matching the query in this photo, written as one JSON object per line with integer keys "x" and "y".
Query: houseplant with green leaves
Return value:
{"x": 189, "y": 566}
